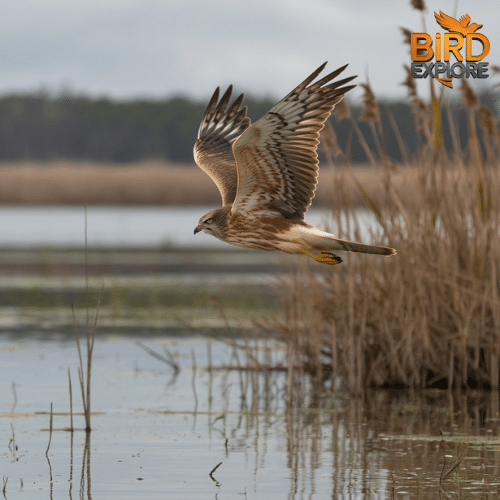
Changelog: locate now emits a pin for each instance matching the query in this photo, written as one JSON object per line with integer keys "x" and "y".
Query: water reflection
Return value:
{"x": 276, "y": 435}
{"x": 83, "y": 479}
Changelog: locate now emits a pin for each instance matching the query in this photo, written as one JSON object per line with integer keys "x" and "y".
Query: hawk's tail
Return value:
{"x": 352, "y": 246}
{"x": 321, "y": 241}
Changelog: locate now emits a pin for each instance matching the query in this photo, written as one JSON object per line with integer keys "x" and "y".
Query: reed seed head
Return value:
{"x": 469, "y": 97}
{"x": 342, "y": 110}
{"x": 418, "y": 5}
{"x": 370, "y": 112}
{"x": 409, "y": 82}
{"x": 406, "y": 35}
{"x": 487, "y": 121}
{"x": 329, "y": 140}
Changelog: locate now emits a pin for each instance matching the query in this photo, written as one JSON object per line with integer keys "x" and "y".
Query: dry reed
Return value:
{"x": 51, "y": 421}
{"x": 85, "y": 378}
{"x": 418, "y": 5}
{"x": 406, "y": 35}
{"x": 87, "y": 183}
{"x": 145, "y": 183}
{"x": 428, "y": 317}
{"x": 71, "y": 427}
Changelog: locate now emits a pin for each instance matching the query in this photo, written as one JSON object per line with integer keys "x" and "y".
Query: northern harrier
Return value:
{"x": 267, "y": 172}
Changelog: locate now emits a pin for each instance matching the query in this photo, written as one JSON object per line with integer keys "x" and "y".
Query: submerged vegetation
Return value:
{"x": 430, "y": 316}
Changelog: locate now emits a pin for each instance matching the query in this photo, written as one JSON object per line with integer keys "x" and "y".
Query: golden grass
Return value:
{"x": 87, "y": 183}
{"x": 427, "y": 317}
{"x": 144, "y": 183}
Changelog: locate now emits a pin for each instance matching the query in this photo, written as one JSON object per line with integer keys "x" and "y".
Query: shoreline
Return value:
{"x": 61, "y": 182}
{"x": 110, "y": 261}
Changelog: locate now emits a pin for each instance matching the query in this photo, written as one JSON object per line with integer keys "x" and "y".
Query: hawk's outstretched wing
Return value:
{"x": 220, "y": 126}
{"x": 276, "y": 157}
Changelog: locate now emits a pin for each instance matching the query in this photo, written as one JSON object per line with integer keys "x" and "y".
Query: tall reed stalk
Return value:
{"x": 85, "y": 369}
{"x": 430, "y": 316}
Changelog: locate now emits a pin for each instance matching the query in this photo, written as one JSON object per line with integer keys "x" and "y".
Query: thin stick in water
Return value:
{"x": 211, "y": 474}
{"x": 50, "y": 432}
{"x": 70, "y": 402}
{"x": 193, "y": 382}
{"x": 15, "y": 397}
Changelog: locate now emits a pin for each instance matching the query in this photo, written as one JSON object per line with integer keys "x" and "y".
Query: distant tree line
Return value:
{"x": 44, "y": 127}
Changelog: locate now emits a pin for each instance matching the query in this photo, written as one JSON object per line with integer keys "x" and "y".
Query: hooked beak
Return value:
{"x": 197, "y": 229}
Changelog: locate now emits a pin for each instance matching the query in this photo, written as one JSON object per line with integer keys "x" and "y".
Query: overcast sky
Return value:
{"x": 126, "y": 49}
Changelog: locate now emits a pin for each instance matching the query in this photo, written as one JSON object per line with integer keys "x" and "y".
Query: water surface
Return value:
{"x": 156, "y": 435}
{"x": 119, "y": 226}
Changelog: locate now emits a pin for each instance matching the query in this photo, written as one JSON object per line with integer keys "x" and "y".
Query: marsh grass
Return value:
{"x": 85, "y": 376}
{"x": 430, "y": 316}
{"x": 85, "y": 369}
{"x": 89, "y": 183}
{"x": 65, "y": 182}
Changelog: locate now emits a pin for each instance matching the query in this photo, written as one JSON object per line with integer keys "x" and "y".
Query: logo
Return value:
{"x": 461, "y": 43}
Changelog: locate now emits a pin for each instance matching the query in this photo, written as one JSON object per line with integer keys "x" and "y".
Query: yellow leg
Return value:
{"x": 324, "y": 258}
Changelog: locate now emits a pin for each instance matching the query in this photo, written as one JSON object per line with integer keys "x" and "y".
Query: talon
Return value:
{"x": 325, "y": 258}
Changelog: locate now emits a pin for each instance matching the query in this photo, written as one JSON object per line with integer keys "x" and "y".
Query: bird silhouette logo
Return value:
{"x": 456, "y": 42}
{"x": 451, "y": 24}
{"x": 462, "y": 27}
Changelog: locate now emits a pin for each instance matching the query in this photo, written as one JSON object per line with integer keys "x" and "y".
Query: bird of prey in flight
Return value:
{"x": 267, "y": 172}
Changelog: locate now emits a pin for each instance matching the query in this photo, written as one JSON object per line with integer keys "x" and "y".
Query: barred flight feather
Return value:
{"x": 220, "y": 127}
{"x": 267, "y": 172}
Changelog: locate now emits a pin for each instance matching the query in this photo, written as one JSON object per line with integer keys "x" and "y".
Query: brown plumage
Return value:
{"x": 267, "y": 172}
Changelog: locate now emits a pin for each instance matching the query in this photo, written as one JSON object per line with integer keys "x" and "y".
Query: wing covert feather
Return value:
{"x": 276, "y": 157}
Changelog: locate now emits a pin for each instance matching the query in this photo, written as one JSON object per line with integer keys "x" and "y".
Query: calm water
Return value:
{"x": 156, "y": 435}
{"x": 116, "y": 226}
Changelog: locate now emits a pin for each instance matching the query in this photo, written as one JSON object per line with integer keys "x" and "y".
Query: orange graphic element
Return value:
{"x": 451, "y": 24}
{"x": 445, "y": 81}
{"x": 421, "y": 47}
{"x": 460, "y": 36}
{"x": 468, "y": 46}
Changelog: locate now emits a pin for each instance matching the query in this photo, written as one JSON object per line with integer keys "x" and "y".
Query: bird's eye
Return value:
{"x": 209, "y": 221}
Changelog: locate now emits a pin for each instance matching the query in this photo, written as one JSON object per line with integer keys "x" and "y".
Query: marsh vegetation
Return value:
{"x": 276, "y": 399}
{"x": 430, "y": 316}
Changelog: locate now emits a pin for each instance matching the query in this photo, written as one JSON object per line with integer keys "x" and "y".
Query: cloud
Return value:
{"x": 128, "y": 48}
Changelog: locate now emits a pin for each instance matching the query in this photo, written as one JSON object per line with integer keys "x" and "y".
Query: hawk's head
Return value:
{"x": 212, "y": 222}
